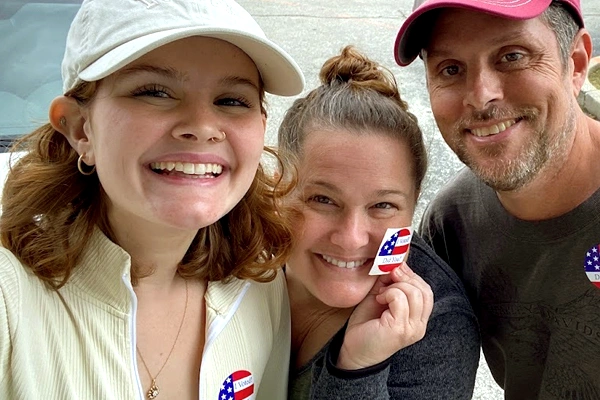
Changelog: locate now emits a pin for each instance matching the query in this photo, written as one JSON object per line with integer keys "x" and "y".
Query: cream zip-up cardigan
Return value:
{"x": 79, "y": 342}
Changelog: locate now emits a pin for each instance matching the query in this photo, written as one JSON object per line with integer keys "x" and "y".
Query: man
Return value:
{"x": 521, "y": 225}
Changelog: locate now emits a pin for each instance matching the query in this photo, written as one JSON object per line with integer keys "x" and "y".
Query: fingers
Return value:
{"x": 381, "y": 282}
{"x": 401, "y": 273}
{"x": 410, "y": 296}
{"x": 395, "y": 317}
{"x": 406, "y": 303}
{"x": 424, "y": 290}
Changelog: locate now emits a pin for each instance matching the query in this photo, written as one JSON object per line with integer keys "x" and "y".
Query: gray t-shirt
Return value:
{"x": 539, "y": 312}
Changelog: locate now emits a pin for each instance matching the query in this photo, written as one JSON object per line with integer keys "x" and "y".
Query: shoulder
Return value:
{"x": 12, "y": 272}
{"x": 250, "y": 298}
{"x": 458, "y": 205}
{"x": 8, "y": 260}
{"x": 448, "y": 290}
{"x": 425, "y": 262}
{"x": 459, "y": 190}
{"x": 13, "y": 282}
{"x": 234, "y": 288}
{"x": 275, "y": 289}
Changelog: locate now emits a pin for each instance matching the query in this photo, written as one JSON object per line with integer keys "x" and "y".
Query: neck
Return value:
{"x": 155, "y": 251}
{"x": 560, "y": 187}
{"x": 313, "y": 323}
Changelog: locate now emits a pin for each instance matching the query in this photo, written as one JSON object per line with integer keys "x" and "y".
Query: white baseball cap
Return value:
{"x": 106, "y": 35}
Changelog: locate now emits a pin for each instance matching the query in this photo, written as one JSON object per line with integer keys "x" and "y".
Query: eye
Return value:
{"x": 234, "y": 102}
{"x": 511, "y": 57}
{"x": 450, "y": 70}
{"x": 385, "y": 206}
{"x": 152, "y": 91}
{"x": 320, "y": 199}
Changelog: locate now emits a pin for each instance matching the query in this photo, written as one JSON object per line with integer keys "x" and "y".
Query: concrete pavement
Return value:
{"x": 314, "y": 30}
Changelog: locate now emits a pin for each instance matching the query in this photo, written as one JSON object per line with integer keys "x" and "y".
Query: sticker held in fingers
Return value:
{"x": 393, "y": 249}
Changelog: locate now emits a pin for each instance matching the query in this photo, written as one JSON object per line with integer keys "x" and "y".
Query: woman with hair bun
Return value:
{"x": 410, "y": 334}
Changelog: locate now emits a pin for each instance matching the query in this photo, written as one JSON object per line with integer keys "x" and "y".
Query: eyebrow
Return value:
{"x": 379, "y": 193}
{"x": 164, "y": 71}
{"x": 233, "y": 80}
{"x": 168, "y": 72}
{"x": 325, "y": 185}
{"x": 509, "y": 37}
{"x": 385, "y": 192}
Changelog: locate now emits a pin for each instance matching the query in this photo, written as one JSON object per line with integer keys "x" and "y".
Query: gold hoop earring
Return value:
{"x": 219, "y": 140}
{"x": 80, "y": 164}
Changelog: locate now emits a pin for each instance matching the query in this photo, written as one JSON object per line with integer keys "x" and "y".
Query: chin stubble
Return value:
{"x": 513, "y": 174}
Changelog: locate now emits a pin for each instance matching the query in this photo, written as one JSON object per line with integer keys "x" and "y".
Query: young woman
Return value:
{"x": 140, "y": 235}
{"x": 361, "y": 161}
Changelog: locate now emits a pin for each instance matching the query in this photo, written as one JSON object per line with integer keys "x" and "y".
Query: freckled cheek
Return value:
{"x": 118, "y": 138}
{"x": 117, "y": 149}
{"x": 248, "y": 141}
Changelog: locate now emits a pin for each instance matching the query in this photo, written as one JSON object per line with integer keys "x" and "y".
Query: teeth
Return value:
{"x": 188, "y": 168}
{"x": 344, "y": 264}
{"x": 494, "y": 129}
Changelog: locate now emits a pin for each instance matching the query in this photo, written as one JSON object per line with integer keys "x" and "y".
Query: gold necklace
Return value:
{"x": 154, "y": 391}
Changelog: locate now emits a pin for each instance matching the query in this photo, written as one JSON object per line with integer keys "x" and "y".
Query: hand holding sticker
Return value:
{"x": 393, "y": 249}
{"x": 394, "y": 315}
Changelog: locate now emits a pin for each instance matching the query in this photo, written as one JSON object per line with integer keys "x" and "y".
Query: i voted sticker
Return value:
{"x": 592, "y": 265}
{"x": 238, "y": 386}
{"x": 392, "y": 250}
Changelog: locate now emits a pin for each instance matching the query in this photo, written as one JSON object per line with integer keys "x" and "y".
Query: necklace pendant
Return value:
{"x": 153, "y": 391}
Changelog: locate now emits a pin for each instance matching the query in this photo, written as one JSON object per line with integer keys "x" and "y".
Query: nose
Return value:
{"x": 483, "y": 87}
{"x": 199, "y": 123}
{"x": 352, "y": 231}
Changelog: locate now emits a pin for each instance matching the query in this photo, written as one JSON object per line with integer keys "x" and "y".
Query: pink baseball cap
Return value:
{"x": 409, "y": 41}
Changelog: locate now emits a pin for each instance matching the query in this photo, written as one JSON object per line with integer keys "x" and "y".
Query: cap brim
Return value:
{"x": 411, "y": 38}
{"x": 279, "y": 72}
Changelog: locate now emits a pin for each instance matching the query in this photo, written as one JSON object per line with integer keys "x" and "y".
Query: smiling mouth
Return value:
{"x": 494, "y": 129}
{"x": 210, "y": 170}
{"x": 344, "y": 264}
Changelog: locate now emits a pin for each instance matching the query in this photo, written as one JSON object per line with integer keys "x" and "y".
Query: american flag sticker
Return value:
{"x": 238, "y": 386}
{"x": 392, "y": 250}
{"x": 592, "y": 265}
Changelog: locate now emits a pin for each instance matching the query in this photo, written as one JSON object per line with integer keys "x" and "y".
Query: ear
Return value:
{"x": 68, "y": 118}
{"x": 264, "y": 121}
{"x": 581, "y": 52}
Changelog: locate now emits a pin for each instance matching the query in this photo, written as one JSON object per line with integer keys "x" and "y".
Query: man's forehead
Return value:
{"x": 482, "y": 33}
{"x": 458, "y": 24}
{"x": 416, "y": 29}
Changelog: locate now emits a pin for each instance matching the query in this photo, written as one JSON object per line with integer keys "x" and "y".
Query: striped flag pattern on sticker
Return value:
{"x": 592, "y": 265}
{"x": 393, "y": 249}
{"x": 238, "y": 386}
